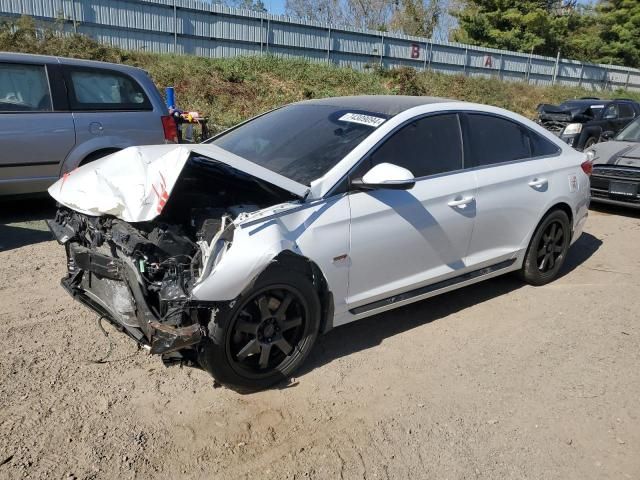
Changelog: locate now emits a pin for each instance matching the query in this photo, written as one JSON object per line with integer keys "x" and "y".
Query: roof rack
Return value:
{"x": 589, "y": 98}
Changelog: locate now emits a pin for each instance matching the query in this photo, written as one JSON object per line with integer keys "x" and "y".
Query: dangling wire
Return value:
{"x": 103, "y": 359}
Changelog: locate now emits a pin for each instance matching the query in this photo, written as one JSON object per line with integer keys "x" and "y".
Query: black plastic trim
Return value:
{"x": 401, "y": 297}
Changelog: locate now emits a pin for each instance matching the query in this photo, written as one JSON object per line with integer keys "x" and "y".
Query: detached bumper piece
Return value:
{"x": 166, "y": 338}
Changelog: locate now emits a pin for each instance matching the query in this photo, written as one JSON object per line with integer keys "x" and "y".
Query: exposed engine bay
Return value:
{"x": 138, "y": 275}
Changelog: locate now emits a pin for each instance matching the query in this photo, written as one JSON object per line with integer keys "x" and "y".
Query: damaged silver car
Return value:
{"x": 234, "y": 255}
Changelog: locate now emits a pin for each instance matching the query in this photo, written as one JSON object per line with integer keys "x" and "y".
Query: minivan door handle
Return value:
{"x": 538, "y": 183}
{"x": 461, "y": 202}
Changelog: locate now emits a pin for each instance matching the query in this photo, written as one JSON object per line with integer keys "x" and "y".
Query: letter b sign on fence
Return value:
{"x": 415, "y": 50}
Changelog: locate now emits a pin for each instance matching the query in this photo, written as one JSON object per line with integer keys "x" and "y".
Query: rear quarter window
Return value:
{"x": 99, "y": 89}
{"x": 491, "y": 140}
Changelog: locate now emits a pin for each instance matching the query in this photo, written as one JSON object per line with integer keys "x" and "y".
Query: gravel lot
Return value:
{"x": 498, "y": 380}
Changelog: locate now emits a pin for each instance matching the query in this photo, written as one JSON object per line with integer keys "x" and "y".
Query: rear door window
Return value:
{"x": 99, "y": 89}
{"x": 489, "y": 140}
{"x": 626, "y": 111}
{"x": 24, "y": 88}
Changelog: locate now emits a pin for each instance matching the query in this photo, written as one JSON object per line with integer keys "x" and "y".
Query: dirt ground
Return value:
{"x": 498, "y": 380}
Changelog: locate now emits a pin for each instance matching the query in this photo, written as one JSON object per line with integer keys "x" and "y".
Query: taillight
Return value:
{"x": 587, "y": 167}
{"x": 170, "y": 128}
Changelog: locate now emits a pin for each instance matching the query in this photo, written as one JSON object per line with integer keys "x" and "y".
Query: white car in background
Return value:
{"x": 235, "y": 254}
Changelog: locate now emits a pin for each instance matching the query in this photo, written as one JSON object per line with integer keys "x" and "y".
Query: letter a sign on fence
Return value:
{"x": 488, "y": 61}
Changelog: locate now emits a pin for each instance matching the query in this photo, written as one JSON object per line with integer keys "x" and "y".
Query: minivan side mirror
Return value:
{"x": 385, "y": 176}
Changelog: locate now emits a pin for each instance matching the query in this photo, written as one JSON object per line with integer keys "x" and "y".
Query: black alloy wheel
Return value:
{"x": 547, "y": 249}
{"x": 263, "y": 337}
{"x": 267, "y": 330}
{"x": 550, "y": 246}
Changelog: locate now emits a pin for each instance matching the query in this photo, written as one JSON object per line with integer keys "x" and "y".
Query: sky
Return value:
{"x": 275, "y": 6}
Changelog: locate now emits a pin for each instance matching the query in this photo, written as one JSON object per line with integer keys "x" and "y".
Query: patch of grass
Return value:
{"x": 230, "y": 90}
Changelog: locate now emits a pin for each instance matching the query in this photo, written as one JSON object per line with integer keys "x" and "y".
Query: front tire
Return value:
{"x": 590, "y": 142}
{"x": 266, "y": 335}
{"x": 547, "y": 250}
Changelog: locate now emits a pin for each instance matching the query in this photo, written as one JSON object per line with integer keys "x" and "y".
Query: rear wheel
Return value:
{"x": 267, "y": 335}
{"x": 547, "y": 250}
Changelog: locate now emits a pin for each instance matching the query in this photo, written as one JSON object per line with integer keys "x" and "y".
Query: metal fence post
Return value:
{"x": 626, "y": 84}
{"x": 381, "y": 47}
{"x": 426, "y": 52}
{"x": 175, "y": 27}
{"x": 268, "y": 32}
{"x": 555, "y": 70}
{"x": 73, "y": 16}
{"x": 261, "y": 32}
{"x": 500, "y": 67}
{"x": 528, "y": 67}
{"x": 581, "y": 74}
{"x": 329, "y": 45}
{"x": 464, "y": 67}
{"x": 430, "y": 55}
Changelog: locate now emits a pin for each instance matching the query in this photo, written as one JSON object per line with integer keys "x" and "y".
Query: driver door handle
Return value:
{"x": 538, "y": 183}
{"x": 461, "y": 202}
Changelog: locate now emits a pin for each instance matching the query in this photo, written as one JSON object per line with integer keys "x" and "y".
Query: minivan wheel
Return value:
{"x": 266, "y": 335}
{"x": 547, "y": 250}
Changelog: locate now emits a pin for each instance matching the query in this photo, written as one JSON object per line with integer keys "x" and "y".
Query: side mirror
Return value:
{"x": 385, "y": 176}
{"x": 606, "y": 135}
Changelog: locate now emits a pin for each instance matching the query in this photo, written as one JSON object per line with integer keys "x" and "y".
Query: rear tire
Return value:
{"x": 266, "y": 335}
{"x": 547, "y": 250}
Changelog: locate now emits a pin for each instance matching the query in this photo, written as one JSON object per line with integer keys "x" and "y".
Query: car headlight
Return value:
{"x": 572, "y": 129}
{"x": 591, "y": 155}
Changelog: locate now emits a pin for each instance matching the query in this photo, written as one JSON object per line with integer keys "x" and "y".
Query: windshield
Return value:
{"x": 301, "y": 142}
{"x": 631, "y": 133}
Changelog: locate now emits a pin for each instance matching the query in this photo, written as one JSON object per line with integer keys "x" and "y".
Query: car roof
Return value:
{"x": 385, "y": 104}
{"x": 592, "y": 101}
{"x": 40, "y": 59}
{"x": 603, "y": 101}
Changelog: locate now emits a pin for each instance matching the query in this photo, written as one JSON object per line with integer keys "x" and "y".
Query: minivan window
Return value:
{"x": 97, "y": 89}
{"x": 490, "y": 139}
{"x": 24, "y": 88}
{"x": 428, "y": 146}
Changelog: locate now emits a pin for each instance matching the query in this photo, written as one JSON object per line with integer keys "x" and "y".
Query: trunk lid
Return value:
{"x": 134, "y": 184}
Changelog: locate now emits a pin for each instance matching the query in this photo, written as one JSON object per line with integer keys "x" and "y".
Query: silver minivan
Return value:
{"x": 58, "y": 113}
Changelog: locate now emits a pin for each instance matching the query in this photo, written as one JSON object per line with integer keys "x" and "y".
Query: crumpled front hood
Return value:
{"x": 134, "y": 184}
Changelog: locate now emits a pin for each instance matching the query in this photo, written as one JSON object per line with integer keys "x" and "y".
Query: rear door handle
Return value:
{"x": 461, "y": 202}
{"x": 538, "y": 183}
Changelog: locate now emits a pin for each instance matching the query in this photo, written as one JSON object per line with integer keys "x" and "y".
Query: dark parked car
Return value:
{"x": 587, "y": 121}
{"x": 616, "y": 168}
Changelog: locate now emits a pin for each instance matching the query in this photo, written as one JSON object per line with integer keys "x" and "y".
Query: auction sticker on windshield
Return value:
{"x": 369, "y": 120}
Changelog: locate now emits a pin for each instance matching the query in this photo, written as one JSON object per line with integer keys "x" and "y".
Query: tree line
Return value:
{"x": 604, "y": 31}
